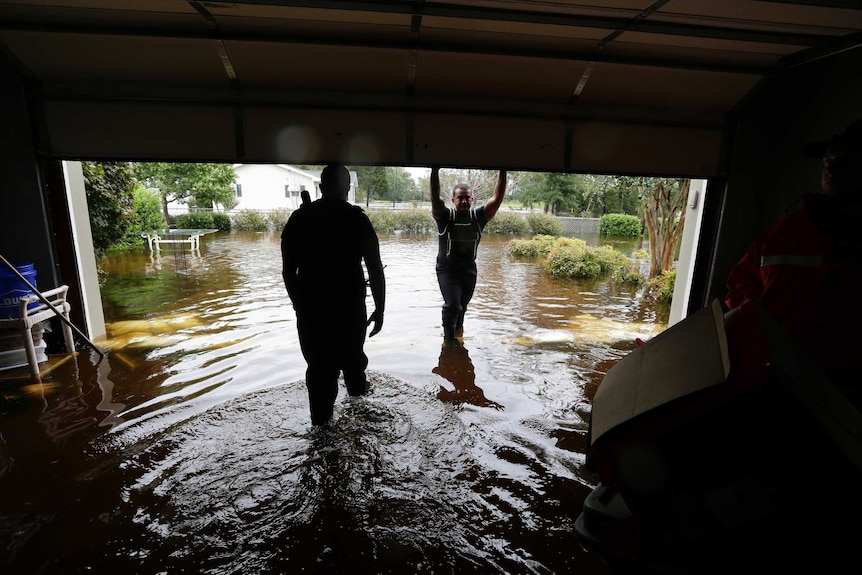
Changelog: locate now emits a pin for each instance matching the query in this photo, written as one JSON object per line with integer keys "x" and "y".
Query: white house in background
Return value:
{"x": 273, "y": 186}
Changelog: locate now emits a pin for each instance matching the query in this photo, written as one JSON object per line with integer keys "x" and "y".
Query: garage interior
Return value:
{"x": 724, "y": 91}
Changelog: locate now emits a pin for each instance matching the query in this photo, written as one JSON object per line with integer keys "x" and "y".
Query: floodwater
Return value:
{"x": 188, "y": 447}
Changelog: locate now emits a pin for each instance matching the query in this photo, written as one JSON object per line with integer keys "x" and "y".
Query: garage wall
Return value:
{"x": 362, "y": 134}
{"x": 25, "y": 232}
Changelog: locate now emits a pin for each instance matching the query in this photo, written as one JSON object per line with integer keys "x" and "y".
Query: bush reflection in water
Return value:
{"x": 189, "y": 448}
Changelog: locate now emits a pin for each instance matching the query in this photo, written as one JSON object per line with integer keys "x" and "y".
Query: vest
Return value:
{"x": 459, "y": 238}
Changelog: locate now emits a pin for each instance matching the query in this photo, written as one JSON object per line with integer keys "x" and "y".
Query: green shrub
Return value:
{"x": 195, "y": 220}
{"x": 537, "y": 246}
{"x": 572, "y": 262}
{"x": 221, "y": 221}
{"x": 148, "y": 214}
{"x": 383, "y": 221}
{"x": 508, "y": 223}
{"x": 249, "y": 221}
{"x": 544, "y": 224}
{"x": 129, "y": 244}
{"x": 622, "y": 225}
{"x": 415, "y": 220}
{"x": 572, "y": 258}
{"x": 628, "y": 276}
{"x": 277, "y": 218}
{"x": 524, "y": 248}
{"x": 622, "y": 270}
{"x": 640, "y": 254}
{"x": 609, "y": 259}
{"x": 660, "y": 288}
{"x": 548, "y": 242}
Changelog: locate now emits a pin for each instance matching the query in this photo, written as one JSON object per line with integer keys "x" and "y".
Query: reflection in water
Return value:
{"x": 178, "y": 259}
{"x": 455, "y": 366}
{"x": 187, "y": 449}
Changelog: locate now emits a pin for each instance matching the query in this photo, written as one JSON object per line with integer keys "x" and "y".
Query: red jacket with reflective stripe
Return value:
{"x": 795, "y": 271}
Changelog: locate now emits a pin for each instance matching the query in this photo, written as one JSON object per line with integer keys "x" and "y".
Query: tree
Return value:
{"x": 604, "y": 194}
{"x": 621, "y": 196}
{"x": 553, "y": 191}
{"x": 373, "y": 182}
{"x": 389, "y": 183}
{"x": 200, "y": 185}
{"x": 423, "y": 186}
{"x": 482, "y": 182}
{"x": 109, "y": 187}
{"x": 148, "y": 210}
{"x": 400, "y": 185}
{"x": 664, "y": 201}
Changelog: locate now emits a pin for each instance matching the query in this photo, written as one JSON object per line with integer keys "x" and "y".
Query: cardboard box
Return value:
{"x": 687, "y": 357}
{"x": 720, "y": 433}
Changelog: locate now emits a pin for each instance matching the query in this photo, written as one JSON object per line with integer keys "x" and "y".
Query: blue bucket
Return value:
{"x": 12, "y": 289}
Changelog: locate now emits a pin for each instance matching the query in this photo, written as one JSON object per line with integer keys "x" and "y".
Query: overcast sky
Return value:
{"x": 419, "y": 172}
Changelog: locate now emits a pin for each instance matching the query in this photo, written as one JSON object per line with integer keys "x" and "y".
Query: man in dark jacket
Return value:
{"x": 323, "y": 246}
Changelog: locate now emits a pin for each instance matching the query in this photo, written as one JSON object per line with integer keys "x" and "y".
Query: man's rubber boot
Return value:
{"x": 448, "y": 333}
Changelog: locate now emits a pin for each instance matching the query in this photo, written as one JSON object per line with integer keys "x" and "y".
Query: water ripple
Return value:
{"x": 202, "y": 457}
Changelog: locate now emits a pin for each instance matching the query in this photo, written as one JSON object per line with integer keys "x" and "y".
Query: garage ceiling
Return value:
{"x": 628, "y": 86}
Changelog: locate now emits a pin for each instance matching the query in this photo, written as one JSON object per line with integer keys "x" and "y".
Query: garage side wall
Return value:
{"x": 25, "y": 230}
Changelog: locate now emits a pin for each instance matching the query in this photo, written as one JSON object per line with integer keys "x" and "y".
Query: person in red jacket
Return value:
{"x": 806, "y": 270}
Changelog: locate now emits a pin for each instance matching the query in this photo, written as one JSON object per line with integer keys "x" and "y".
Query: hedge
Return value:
{"x": 573, "y": 258}
{"x": 622, "y": 225}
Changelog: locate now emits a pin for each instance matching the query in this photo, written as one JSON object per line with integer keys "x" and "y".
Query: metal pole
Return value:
{"x": 53, "y": 308}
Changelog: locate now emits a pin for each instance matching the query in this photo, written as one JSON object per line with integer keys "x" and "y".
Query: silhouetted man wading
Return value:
{"x": 323, "y": 246}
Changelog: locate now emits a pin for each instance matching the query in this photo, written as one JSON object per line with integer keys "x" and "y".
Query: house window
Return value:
{"x": 301, "y": 188}
{"x": 239, "y": 190}
{"x": 286, "y": 190}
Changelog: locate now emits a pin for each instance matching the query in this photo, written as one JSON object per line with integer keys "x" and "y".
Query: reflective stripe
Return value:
{"x": 789, "y": 260}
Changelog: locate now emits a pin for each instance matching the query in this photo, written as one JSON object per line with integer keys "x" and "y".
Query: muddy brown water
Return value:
{"x": 188, "y": 448}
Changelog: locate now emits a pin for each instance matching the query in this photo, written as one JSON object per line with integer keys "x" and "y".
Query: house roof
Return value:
{"x": 530, "y": 85}
{"x": 314, "y": 175}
